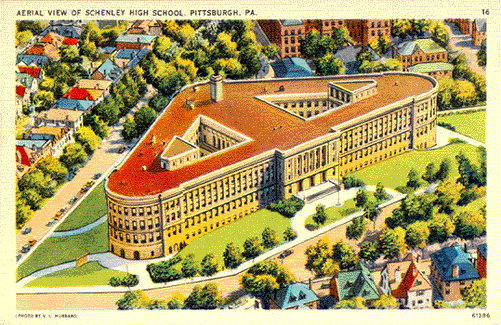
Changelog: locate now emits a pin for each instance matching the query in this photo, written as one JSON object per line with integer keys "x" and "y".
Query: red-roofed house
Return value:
{"x": 54, "y": 39}
{"x": 35, "y": 72}
{"x": 70, "y": 41}
{"x": 80, "y": 94}
{"x": 415, "y": 290}
{"x": 44, "y": 49}
{"x": 22, "y": 98}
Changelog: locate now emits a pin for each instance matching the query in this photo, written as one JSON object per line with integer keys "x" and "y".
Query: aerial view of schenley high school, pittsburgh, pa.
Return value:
{"x": 250, "y": 164}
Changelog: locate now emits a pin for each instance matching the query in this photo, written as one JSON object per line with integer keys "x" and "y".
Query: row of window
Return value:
{"x": 302, "y": 104}
{"x": 307, "y": 162}
{"x": 135, "y": 224}
{"x": 373, "y": 149}
{"x": 133, "y": 211}
{"x": 135, "y": 239}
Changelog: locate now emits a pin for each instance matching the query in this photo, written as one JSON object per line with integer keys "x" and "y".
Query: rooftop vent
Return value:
{"x": 143, "y": 168}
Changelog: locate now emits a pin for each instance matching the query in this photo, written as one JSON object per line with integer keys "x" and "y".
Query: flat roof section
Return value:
{"x": 240, "y": 110}
{"x": 351, "y": 86}
{"x": 176, "y": 147}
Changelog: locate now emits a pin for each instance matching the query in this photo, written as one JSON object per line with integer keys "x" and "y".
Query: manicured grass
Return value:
{"x": 237, "y": 232}
{"x": 89, "y": 274}
{"x": 333, "y": 214}
{"x": 471, "y": 124}
{"x": 89, "y": 210}
{"x": 393, "y": 172}
{"x": 55, "y": 251}
{"x": 472, "y": 206}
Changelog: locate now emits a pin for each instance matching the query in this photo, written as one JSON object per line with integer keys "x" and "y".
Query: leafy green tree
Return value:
{"x": 176, "y": 301}
{"x": 271, "y": 51}
{"x": 443, "y": 170}
{"x": 401, "y": 28}
{"x": 318, "y": 259}
{"x": 133, "y": 300}
{"x": 249, "y": 58}
{"x": 53, "y": 167}
{"x": 353, "y": 303}
{"x": 445, "y": 93}
{"x": 232, "y": 256}
{"x": 33, "y": 179}
{"x": 361, "y": 198}
{"x": 356, "y": 228}
{"x": 364, "y": 55}
{"x": 430, "y": 173}
{"x": 314, "y": 45}
{"x": 341, "y": 36}
{"x": 35, "y": 26}
{"x": 441, "y": 228}
{"x": 393, "y": 65}
{"x": 368, "y": 252}
{"x": 419, "y": 27}
{"x": 344, "y": 255}
{"x": 69, "y": 54}
{"x": 43, "y": 100}
{"x": 32, "y": 199}
{"x": 350, "y": 181}
{"x": 469, "y": 225}
{"x": 371, "y": 67}
{"x": 417, "y": 234}
{"x": 23, "y": 37}
{"x": 270, "y": 238}
{"x": 209, "y": 265}
{"x": 380, "y": 45}
{"x": 252, "y": 248}
{"x": 468, "y": 173}
{"x": 108, "y": 110}
{"x": 23, "y": 211}
{"x": 162, "y": 47}
{"x": 158, "y": 102}
{"x": 190, "y": 267}
{"x": 380, "y": 193}
{"x": 143, "y": 118}
{"x": 329, "y": 65}
{"x": 73, "y": 154}
{"x": 388, "y": 244}
{"x": 97, "y": 125}
{"x": 290, "y": 234}
{"x": 320, "y": 215}
{"x": 482, "y": 55}
{"x": 475, "y": 294}
{"x": 447, "y": 195}
{"x": 129, "y": 130}
{"x": 266, "y": 276}
{"x": 440, "y": 35}
{"x": 413, "y": 179}
{"x": 287, "y": 207}
{"x": 371, "y": 212}
{"x": 88, "y": 139}
{"x": 385, "y": 302}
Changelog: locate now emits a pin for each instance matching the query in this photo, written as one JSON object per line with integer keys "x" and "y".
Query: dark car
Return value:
{"x": 73, "y": 200}
{"x": 96, "y": 176}
{"x": 121, "y": 149}
{"x": 18, "y": 257}
{"x": 26, "y": 248}
{"x": 286, "y": 253}
{"x": 27, "y": 230}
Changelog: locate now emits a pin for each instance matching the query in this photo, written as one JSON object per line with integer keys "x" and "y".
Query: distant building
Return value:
{"x": 25, "y": 60}
{"x": 71, "y": 31}
{"x": 108, "y": 71}
{"x": 60, "y": 117}
{"x": 393, "y": 272}
{"x": 28, "y": 152}
{"x": 479, "y": 31}
{"x": 437, "y": 70}
{"x": 348, "y": 55}
{"x": 134, "y": 41}
{"x": 148, "y": 27}
{"x": 246, "y": 302}
{"x": 83, "y": 94}
{"x": 451, "y": 270}
{"x": 35, "y": 72}
{"x": 58, "y": 136}
{"x": 364, "y": 31}
{"x": 294, "y": 296}
{"x": 482, "y": 260}
{"x": 27, "y": 81}
{"x": 75, "y": 104}
{"x": 414, "y": 290}
{"x": 286, "y": 33}
{"x": 291, "y": 68}
{"x": 70, "y": 41}
{"x": 354, "y": 283}
{"x": 44, "y": 49}
{"x": 419, "y": 51}
{"x": 22, "y": 98}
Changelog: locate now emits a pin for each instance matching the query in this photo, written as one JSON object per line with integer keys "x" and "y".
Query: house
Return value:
{"x": 44, "y": 49}
{"x": 358, "y": 282}
{"x": 437, "y": 70}
{"x": 25, "y": 60}
{"x": 83, "y": 94}
{"x": 451, "y": 270}
{"x": 246, "y": 302}
{"x": 149, "y": 27}
{"x": 60, "y": 117}
{"x": 58, "y": 136}
{"x": 129, "y": 58}
{"x": 108, "y": 71}
{"x": 71, "y": 31}
{"x": 35, "y": 72}
{"x": 22, "y": 98}
{"x": 70, "y": 41}
{"x": 419, "y": 51}
{"x": 28, "y": 152}
{"x": 27, "y": 81}
{"x": 294, "y": 296}
{"x": 479, "y": 31}
{"x": 363, "y": 31}
{"x": 291, "y": 68}
{"x": 348, "y": 55}
{"x": 100, "y": 88}
{"x": 75, "y": 104}
{"x": 286, "y": 34}
{"x": 482, "y": 260}
{"x": 414, "y": 290}
{"x": 392, "y": 273}
{"x": 53, "y": 39}
{"x": 134, "y": 41}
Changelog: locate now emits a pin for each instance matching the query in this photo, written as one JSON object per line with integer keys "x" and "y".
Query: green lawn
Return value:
{"x": 393, "y": 172}
{"x": 89, "y": 274}
{"x": 237, "y": 232}
{"x": 55, "y": 251}
{"x": 471, "y": 124}
{"x": 89, "y": 210}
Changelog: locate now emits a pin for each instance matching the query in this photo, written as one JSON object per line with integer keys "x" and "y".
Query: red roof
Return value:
{"x": 268, "y": 126}
{"x": 409, "y": 282}
{"x": 25, "y": 160}
{"x": 32, "y": 71}
{"x": 20, "y": 90}
{"x": 70, "y": 41}
{"x": 78, "y": 93}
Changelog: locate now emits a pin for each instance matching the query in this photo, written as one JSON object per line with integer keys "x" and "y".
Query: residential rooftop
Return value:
{"x": 60, "y": 115}
{"x": 454, "y": 256}
{"x": 431, "y": 67}
{"x": 427, "y": 45}
{"x": 135, "y": 38}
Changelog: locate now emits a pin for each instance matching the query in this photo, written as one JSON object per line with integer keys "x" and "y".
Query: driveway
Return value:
{"x": 462, "y": 44}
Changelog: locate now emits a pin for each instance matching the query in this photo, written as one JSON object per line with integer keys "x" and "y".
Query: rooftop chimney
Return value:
{"x": 455, "y": 271}
{"x": 216, "y": 88}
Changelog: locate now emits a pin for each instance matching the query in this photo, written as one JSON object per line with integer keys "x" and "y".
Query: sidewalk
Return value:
{"x": 443, "y": 136}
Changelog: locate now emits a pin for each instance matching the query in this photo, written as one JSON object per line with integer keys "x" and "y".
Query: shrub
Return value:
{"x": 288, "y": 207}
{"x": 350, "y": 181}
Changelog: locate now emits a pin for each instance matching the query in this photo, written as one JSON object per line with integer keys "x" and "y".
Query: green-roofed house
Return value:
{"x": 354, "y": 283}
{"x": 436, "y": 70}
{"x": 419, "y": 51}
{"x": 294, "y": 296}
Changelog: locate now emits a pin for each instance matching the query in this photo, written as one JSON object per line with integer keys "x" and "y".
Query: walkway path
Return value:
{"x": 443, "y": 136}
{"x": 81, "y": 230}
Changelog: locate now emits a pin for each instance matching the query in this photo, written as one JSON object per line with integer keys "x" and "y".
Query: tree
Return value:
{"x": 33, "y": 179}
{"x": 190, "y": 267}
{"x": 329, "y": 65}
{"x": 371, "y": 212}
{"x": 162, "y": 47}
{"x": 320, "y": 215}
{"x": 158, "y": 102}
{"x": 271, "y": 51}
{"x": 444, "y": 96}
{"x": 270, "y": 238}
{"x": 318, "y": 259}
{"x": 385, "y": 302}
{"x": 441, "y": 228}
{"x": 97, "y": 125}
{"x": 353, "y": 303}
{"x": 443, "y": 170}
{"x": 469, "y": 225}
{"x": 401, "y": 28}
{"x": 53, "y": 167}
{"x": 290, "y": 234}
{"x": 419, "y": 26}
{"x": 265, "y": 277}
{"x": 176, "y": 301}
{"x": 368, "y": 252}
{"x": 371, "y": 67}
{"x": 43, "y": 100}
{"x": 73, "y": 154}
{"x": 314, "y": 45}
{"x": 417, "y": 234}
{"x": 89, "y": 140}
{"x": 482, "y": 55}
{"x": 23, "y": 211}
{"x": 380, "y": 45}
{"x": 288, "y": 207}
{"x": 439, "y": 34}
{"x": 143, "y": 118}
{"x": 380, "y": 193}
{"x": 207, "y": 297}
{"x": 23, "y": 37}
{"x": 364, "y": 55}
{"x": 32, "y": 198}
{"x": 468, "y": 173}
{"x": 356, "y": 228}
{"x": 413, "y": 179}
{"x": 393, "y": 65}
{"x": 447, "y": 195}
{"x": 350, "y": 181}
{"x": 35, "y": 26}
{"x": 430, "y": 173}
{"x": 475, "y": 294}
{"x": 133, "y": 300}
{"x": 344, "y": 255}
{"x": 209, "y": 265}
{"x": 388, "y": 244}
{"x": 69, "y": 54}
{"x": 341, "y": 36}
{"x": 361, "y": 198}
{"x": 252, "y": 248}
{"x": 129, "y": 130}
{"x": 231, "y": 256}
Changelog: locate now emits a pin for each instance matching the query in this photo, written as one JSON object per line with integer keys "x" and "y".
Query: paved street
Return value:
{"x": 103, "y": 159}
{"x": 462, "y": 44}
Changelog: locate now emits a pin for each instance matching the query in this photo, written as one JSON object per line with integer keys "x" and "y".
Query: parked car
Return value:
{"x": 63, "y": 210}
{"x": 73, "y": 200}
{"x": 84, "y": 189}
{"x": 32, "y": 241}
{"x": 27, "y": 230}
{"x": 122, "y": 149}
{"x": 57, "y": 216}
{"x": 51, "y": 223}
{"x": 26, "y": 248}
{"x": 19, "y": 256}
{"x": 286, "y": 253}
{"x": 89, "y": 183}
{"x": 97, "y": 175}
